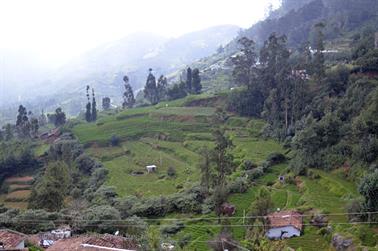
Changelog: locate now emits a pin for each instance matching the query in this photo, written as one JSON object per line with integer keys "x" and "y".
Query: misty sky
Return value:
{"x": 57, "y": 30}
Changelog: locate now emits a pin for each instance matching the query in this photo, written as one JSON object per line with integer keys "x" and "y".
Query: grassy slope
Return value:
{"x": 189, "y": 129}
{"x": 16, "y": 190}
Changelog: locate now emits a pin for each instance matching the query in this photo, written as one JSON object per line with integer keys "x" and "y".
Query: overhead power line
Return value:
{"x": 191, "y": 219}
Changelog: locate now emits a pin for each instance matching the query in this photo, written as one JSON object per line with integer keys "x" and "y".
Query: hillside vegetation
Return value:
{"x": 284, "y": 122}
{"x": 166, "y": 135}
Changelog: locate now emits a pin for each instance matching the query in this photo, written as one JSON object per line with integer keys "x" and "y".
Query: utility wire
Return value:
{"x": 220, "y": 225}
{"x": 197, "y": 218}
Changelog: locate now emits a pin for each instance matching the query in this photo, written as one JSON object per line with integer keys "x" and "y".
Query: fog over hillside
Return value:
{"x": 43, "y": 52}
{"x": 104, "y": 67}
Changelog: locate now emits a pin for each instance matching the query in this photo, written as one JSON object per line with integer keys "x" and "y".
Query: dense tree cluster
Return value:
{"x": 158, "y": 91}
{"x": 16, "y": 156}
{"x": 128, "y": 95}
{"x": 150, "y": 91}
{"x": 90, "y": 108}
{"x": 58, "y": 118}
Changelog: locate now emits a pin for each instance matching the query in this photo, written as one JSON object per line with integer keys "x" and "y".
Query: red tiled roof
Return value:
{"x": 11, "y": 239}
{"x": 106, "y": 240}
{"x": 285, "y": 218}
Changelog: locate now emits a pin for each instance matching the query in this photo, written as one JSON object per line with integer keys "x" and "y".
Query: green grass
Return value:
{"x": 186, "y": 130}
{"x": 135, "y": 127}
{"x": 309, "y": 241}
{"x": 142, "y": 154}
{"x": 255, "y": 149}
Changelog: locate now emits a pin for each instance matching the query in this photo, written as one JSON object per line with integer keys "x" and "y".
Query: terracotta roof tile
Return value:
{"x": 285, "y": 218}
{"x": 11, "y": 239}
{"x": 106, "y": 240}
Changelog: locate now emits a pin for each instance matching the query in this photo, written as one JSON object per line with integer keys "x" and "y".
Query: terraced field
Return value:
{"x": 18, "y": 192}
{"x": 171, "y": 136}
{"x": 168, "y": 137}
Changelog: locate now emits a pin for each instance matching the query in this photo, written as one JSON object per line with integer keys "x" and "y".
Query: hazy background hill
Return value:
{"x": 343, "y": 19}
{"x": 104, "y": 67}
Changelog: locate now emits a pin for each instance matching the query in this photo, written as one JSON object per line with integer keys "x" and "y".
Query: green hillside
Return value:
{"x": 141, "y": 143}
{"x": 284, "y": 118}
{"x": 167, "y": 136}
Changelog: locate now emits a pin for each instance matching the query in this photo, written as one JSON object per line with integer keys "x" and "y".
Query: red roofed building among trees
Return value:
{"x": 284, "y": 224}
{"x": 12, "y": 240}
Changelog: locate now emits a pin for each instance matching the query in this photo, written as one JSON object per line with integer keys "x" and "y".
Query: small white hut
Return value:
{"x": 151, "y": 168}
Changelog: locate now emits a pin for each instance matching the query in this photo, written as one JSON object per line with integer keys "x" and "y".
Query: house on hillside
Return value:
{"x": 151, "y": 168}
{"x": 284, "y": 224}
{"x": 47, "y": 239}
{"x": 228, "y": 209}
{"x": 95, "y": 242}
{"x": 12, "y": 240}
{"x": 50, "y": 136}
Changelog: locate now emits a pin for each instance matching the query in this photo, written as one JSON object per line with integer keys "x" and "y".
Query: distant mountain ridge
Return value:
{"x": 104, "y": 67}
{"x": 295, "y": 19}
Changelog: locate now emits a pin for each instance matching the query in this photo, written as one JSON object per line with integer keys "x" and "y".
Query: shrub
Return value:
{"x": 103, "y": 219}
{"x": 248, "y": 165}
{"x": 312, "y": 175}
{"x": 265, "y": 165}
{"x": 171, "y": 172}
{"x": 155, "y": 206}
{"x": 115, "y": 140}
{"x": 173, "y": 228}
{"x": 323, "y": 231}
{"x": 240, "y": 185}
{"x": 276, "y": 158}
{"x": 367, "y": 236}
{"x": 255, "y": 173}
{"x": 86, "y": 164}
{"x": 207, "y": 206}
{"x": 179, "y": 186}
{"x": 135, "y": 226}
{"x": 42, "y": 221}
{"x": 105, "y": 195}
{"x": 297, "y": 166}
{"x": 270, "y": 183}
{"x": 184, "y": 240}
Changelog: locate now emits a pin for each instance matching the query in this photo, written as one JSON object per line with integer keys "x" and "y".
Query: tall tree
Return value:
{"x": 177, "y": 91}
{"x": 106, "y": 103}
{"x": 277, "y": 73}
{"x": 162, "y": 86}
{"x": 274, "y": 57}
{"x": 60, "y": 117}
{"x": 244, "y": 63}
{"x": 368, "y": 188}
{"x": 22, "y": 122}
{"x": 305, "y": 60}
{"x": 42, "y": 120}
{"x": 88, "y": 112}
{"x": 150, "y": 89}
{"x": 246, "y": 73}
{"x": 189, "y": 80}
{"x": 8, "y": 132}
{"x": 196, "y": 81}
{"x": 94, "y": 107}
{"x": 34, "y": 124}
{"x": 128, "y": 95}
{"x": 205, "y": 168}
{"x": 219, "y": 197}
{"x": 222, "y": 158}
{"x": 52, "y": 190}
{"x": 318, "y": 64}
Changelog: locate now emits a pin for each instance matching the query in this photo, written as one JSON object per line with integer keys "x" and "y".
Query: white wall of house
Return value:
{"x": 21, "y": 245}
{"x": 275, "y": 233}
